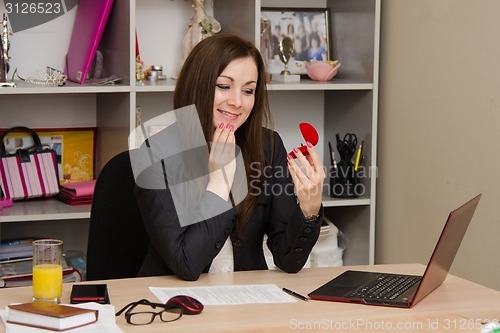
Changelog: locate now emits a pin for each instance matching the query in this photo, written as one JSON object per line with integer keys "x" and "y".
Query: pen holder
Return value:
{"x": 344, "y": 180}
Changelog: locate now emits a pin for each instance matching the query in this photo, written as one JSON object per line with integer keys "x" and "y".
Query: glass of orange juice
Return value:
{"x": 47, "y": 270}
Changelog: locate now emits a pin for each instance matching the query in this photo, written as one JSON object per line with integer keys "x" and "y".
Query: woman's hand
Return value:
{"x": 221, "y": 161}
{"x": 308, "y": 180}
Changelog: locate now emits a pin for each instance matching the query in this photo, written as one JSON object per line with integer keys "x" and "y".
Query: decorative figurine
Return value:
{"x": 4, "y": 53}
{"x": 266, "y": 45}
{"x": 3, "y": 74}
{"x": 6, "y": 32}
{"x": 200, "y": 27}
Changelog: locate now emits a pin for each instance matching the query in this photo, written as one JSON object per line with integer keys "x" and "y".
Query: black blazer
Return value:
{"x": 188, "y": 251}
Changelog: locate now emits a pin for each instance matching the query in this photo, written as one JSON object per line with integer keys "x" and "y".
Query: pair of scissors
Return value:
{"x": 347, "y": 146}
{"x": 351, "y": 142}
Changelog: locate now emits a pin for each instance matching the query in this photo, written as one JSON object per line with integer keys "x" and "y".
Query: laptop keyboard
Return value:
{"x": 386, "y": 287}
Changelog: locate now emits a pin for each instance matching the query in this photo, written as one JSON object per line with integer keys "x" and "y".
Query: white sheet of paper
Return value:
{"x": 231, "y": 294}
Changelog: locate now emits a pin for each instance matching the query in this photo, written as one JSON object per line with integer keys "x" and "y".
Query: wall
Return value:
{"x": 439, "y": 130}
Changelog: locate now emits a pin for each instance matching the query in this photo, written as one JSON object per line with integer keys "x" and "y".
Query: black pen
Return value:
{"x": 294, "y": 294}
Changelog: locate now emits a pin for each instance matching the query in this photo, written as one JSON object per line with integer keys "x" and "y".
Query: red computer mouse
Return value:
{"x": 310, "y": 135}
{"x": 189, "y": 305}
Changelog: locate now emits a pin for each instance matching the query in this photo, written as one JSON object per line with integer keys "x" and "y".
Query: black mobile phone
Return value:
{"x": 82, "y": 293}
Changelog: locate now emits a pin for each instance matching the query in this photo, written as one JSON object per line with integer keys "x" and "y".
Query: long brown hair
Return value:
{"x": 196, "y": 85}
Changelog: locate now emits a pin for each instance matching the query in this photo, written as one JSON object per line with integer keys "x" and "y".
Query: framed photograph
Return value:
{"x": 309, "y": 30}
{"x": 75, "y": 150}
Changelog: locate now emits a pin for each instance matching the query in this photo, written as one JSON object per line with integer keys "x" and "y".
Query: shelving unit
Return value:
{"x": 348, "y": 103}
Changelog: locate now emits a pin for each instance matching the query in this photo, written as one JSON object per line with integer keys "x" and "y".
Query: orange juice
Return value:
{"x": 47, "y": 282}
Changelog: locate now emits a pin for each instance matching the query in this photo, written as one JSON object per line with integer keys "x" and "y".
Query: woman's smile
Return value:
{"x": 230, "y": 116}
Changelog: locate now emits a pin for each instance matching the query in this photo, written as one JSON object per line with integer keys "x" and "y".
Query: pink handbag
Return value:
{"x": 28, "y": 172}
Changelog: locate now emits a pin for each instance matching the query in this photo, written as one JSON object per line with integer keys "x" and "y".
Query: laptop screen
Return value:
{"x": 446, "y": 248}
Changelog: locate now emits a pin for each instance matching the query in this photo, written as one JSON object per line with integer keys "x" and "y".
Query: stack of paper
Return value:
{"x": 327, "y": 252}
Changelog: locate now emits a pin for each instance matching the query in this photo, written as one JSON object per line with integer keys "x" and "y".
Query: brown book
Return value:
{"x": 56, "y": 317}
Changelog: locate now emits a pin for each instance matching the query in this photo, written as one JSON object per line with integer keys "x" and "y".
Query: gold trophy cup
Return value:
{"x": 285, "y": 52}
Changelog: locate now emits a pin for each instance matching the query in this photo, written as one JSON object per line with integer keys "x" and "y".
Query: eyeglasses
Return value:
{"x": 138, "y": 314}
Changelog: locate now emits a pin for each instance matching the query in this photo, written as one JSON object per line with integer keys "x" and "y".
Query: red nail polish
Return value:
{"x": 309, "y": 144}
{"x": 221, "y": 126}
{"x": 231, "y": 129}
{"x": 296, "y": 150}
{"x": 228, "y": 126}
{"x": 289, "y": 157}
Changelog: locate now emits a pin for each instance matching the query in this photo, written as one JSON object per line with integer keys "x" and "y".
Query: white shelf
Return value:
{"x": 23, "y": 88}
{"x": 169, "y": 86}
{"x": 304, "y": 84}
{"x": 339, "y": 202}
{"x": 52, "y": 209}
{"x": 43, "y": 209}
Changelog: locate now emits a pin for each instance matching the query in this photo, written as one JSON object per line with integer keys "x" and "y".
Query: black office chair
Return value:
{"x": 117, "y": 240}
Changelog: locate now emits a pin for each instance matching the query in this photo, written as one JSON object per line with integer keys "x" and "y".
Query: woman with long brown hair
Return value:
{"x": 224, "y": 78}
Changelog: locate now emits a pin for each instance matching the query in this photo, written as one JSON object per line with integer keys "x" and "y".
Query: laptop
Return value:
{"x": 396, "y": 290}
